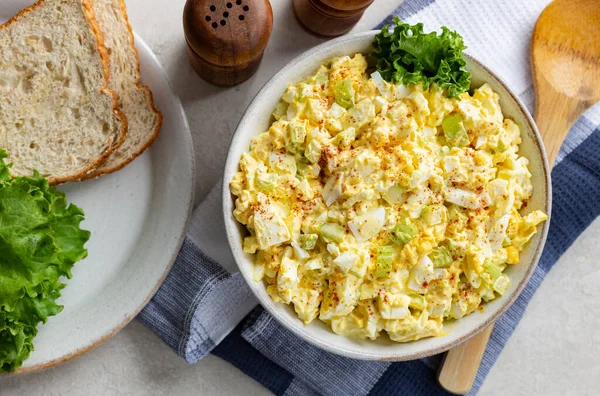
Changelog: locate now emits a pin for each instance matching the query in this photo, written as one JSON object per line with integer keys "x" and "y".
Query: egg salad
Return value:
{"x": 378, "y": 207}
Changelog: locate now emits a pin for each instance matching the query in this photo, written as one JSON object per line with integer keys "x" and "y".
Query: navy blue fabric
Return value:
{"x": 245, "y": 357}
{"x": 576, "y": 198}
{"x": 408, "y": 378}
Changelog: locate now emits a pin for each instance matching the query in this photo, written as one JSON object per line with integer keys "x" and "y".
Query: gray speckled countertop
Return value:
{"x": 554, "y": 351}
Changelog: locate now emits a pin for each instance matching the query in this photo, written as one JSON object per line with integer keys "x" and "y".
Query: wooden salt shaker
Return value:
{"x": 330, "y": 17}
{"x": 226, "y": 38}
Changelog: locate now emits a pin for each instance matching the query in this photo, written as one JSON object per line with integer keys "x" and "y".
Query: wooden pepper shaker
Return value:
{"x": 330, "y": 17}
{"x": 226, "y": 38}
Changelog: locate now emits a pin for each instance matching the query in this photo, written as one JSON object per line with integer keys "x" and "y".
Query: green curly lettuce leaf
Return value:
{"x": 40, "y": 240}
{"x": 407, "y": 55}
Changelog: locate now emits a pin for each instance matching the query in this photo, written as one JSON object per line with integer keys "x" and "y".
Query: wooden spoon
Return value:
{"x": 565, "y": 62}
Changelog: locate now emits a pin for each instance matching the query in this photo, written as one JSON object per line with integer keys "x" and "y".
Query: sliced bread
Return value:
{"x": 135, "y": 100}
{"x": 57, "y": 115}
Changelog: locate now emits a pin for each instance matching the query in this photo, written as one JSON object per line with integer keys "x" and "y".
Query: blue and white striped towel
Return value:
{"x": 203, "y": 305}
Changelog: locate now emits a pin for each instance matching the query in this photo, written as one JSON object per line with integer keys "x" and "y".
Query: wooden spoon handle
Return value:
{"x": 555, "y": 114}
{"x": 460, "y": 367}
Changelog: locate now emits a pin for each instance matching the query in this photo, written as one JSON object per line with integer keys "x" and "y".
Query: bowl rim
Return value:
{"x": 304, "y": 334}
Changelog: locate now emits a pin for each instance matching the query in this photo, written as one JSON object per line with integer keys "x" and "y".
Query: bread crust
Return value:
{"x": 89, "y": 14}
{"x": 100, "y": 170}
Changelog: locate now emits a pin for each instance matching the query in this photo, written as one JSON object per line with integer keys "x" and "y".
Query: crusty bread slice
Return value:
{"x": 57, "y": 115}
{"x": 135, "y": 100}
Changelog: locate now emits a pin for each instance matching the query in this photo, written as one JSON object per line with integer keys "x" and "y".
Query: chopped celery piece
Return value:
{"x": 297, "y": 131}
{"x": 344, "y": 94}
{"x": 454, "y": 131}
{"x": 503, "y": 142}
{"x": 385, "y": 258}
{"x": 417, "y": 301}
{"x": 457, "y": 217}
{"x": 385, "y": 255}
{"x": 293, "y": 148}
{"x": 308, "y": 241}
{"x": 441, "y": 257}
{"x": 403, "y": 232}
{"x": 345, "y": 138}
{"x": 266, "y": 181}
{"x": 383, "y": 270}
{"x": 506, "y": 242}
{"x": 280, "y": 110}
{"x": 501, "y": 284}
{"x": 492, "y": 269}
{"x": 394, "y": 194}
{"x": 313, "y": 151}
{"x": 332, "y": 232}
{"x": 306, "y": 170}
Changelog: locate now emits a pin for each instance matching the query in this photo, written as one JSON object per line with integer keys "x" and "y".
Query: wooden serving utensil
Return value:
{"x": 565, "y": 62}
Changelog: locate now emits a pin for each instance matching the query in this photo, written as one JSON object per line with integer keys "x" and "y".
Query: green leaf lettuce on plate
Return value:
{"x": 407, "y": 55}
{"x": 40, "y": 240}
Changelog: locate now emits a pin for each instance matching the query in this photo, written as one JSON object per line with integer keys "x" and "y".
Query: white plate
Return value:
{"x": 137, "y": 217}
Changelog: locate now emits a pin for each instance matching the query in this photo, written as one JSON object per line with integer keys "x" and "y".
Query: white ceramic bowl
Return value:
{"x": 256, "y": 120}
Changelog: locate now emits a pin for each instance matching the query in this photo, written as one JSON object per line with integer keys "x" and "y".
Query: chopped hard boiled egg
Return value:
{"x": 382, "y": 208}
